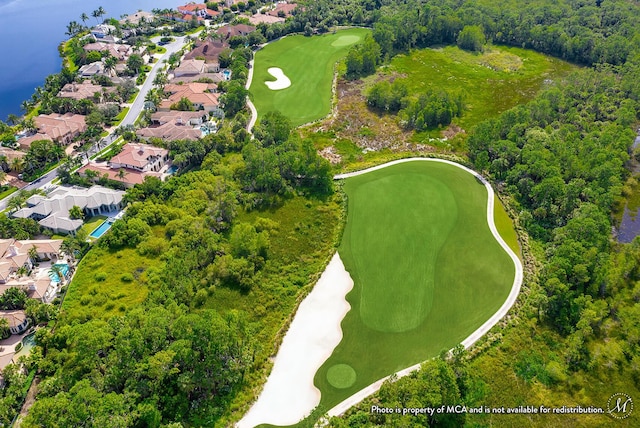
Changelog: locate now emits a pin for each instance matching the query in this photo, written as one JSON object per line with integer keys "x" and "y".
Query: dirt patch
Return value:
{"x": 354, "y": 121}
{"x": 452, "y": 131}
{"x": 329, "y": 153}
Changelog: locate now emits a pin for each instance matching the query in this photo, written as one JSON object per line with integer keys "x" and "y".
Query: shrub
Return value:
{"x": 127, "y": 277}
{"x": 100, "y": 276}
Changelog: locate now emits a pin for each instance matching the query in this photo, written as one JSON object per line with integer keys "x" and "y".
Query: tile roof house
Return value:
{"x": 60, "y": 128}
{"x": 17, "y": 320}
{"x": 102, "y": 30}
{"x": 209, "y": 50}
{"x": 84, "y": 90}
{"x": 136, "y": 18}
{"x": 283, "y": 9}
{"x": 190, "y": 67}
{"x": 174, "y": 125}
{"x": 52, "y": 211}
{"x": 260, "y": 18}
{"x": 119, "y": 51}
{"x": 228, "y": 31}
{"x": 136, "y": 161}
{"x": 200, "y": 94}
{"x": 15, "y": 254}
{"x": 90, "y": 70}
{"x": 198, "y": 9}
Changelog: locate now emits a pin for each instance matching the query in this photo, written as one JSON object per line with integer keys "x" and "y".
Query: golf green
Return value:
{"x": 308, "y": 62}
{"x": 427, "y": 271}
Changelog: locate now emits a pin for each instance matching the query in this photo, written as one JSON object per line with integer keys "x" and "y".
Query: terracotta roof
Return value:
{"x": 15, "y": 318}
{"x": 190, "y": 66}
{"x": 210, "y": 50}
{"x": 287, "y": 8}
{"x": 57, "y": 126}
{"x": 131, "y": 177}
{"x": 170, "y": 131}
{"x": 138, "y": 154}
{"x": 163, "y": 117}
{"x": 235, "y": 30}
{"x": 260, "y": 18}
{"x": 82, "y": 91}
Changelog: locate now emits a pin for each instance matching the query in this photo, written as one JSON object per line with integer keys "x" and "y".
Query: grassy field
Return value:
{"x": 492, "y": 82}
{"x": 308, "y": 62}
{"x": 426, "y": 268}
{"x": 106, "y": 284}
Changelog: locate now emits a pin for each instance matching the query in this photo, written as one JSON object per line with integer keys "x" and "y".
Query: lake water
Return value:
{"x": 30, "y": 32}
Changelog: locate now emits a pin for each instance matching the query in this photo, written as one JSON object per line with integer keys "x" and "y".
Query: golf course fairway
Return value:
{"x": 426, "y": 267}
{"x": 307, "y": 63}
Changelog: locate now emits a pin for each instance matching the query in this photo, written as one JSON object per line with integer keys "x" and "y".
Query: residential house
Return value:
{"x": 17, "y": 320}
{"x": 209, "y": 51}
{"x": 174, "y": 125}
{"x": 132, "y": 165}
{"x": 229, "y": 31}
{"x": 198, "y": 9}
{"x": 90, "y": 70}
{"x": 60, "y": 128}
{"x": 283, "y": 9}
{"x": 15, "y": 255}
{"x": 138, "y": 17}
{"x": 261, "y": 18}
{"x": 84, "y": 90}
{"x": 119, "y": 51}
{"x": 52, "y": 211}
{"x": 190, "y": 67}
{"x": 100, "y": 31}
{"x": 202, "y": 95}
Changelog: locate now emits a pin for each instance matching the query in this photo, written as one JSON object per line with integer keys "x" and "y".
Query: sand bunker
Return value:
{"x": 289, "y": 394}
{"x": 281, "y": 82}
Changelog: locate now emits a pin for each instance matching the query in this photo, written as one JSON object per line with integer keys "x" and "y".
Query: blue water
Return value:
{"x": 64, "y": 268}
{"x": 100, "y": 230}
{"x": 172, "y": 169}
{"x": 30, "y": 32}
{"x": 226, "y": 74}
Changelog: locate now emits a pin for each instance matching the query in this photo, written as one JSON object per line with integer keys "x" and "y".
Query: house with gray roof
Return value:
{"x": 52, "y": 211}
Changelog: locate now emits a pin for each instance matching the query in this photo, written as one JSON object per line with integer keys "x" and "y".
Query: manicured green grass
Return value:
{"x": 492, "y": 82}
{"x": 426, "y": 268}
{"x": 106, "y": 284}
{"x": 309, "y": 63}
{"x": 92, "y": 224}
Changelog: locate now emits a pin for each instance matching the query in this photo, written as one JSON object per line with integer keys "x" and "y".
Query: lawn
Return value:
{"x": 309, "y": 64}
{"x": 426, "y": 268}
{"x": 493, "y": 81}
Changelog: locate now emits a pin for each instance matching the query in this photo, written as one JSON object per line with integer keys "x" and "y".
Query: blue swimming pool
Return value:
{"x": 172, "y": 169}
{"x": 226, "y": 74}
{"x": 100, "y": 230}
{"x": 64, "y": 268}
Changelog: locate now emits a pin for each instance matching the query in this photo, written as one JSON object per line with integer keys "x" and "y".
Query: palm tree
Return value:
{"x": 122, "y": 173}
{"x": 96, "y": 15}
{"x": 76, "y": 212}
{"x": 33, "y": 253}
{"x": 84, "y": 18}
{"x": 12, "y": 119}
{"x": 110, "y": 63}
{"x": 17, "y": 164}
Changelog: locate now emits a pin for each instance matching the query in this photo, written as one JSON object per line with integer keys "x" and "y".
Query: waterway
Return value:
{"x": 30, "y": 32}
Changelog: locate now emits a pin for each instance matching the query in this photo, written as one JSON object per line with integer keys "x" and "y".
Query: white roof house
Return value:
{"x": 52, "y": 211}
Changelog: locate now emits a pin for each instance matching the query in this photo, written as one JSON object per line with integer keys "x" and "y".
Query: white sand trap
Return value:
{"x": 281, "y": 82}
{"x": 289, "y": 394}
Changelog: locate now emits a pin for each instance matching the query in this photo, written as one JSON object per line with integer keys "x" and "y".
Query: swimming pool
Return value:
{"x": 172, "y": 169}
{"x": 64, "y": 268}
{"x": 28, "y": 342}
{"x": 100, "y": 230}
{"x": 226, "y": 74}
